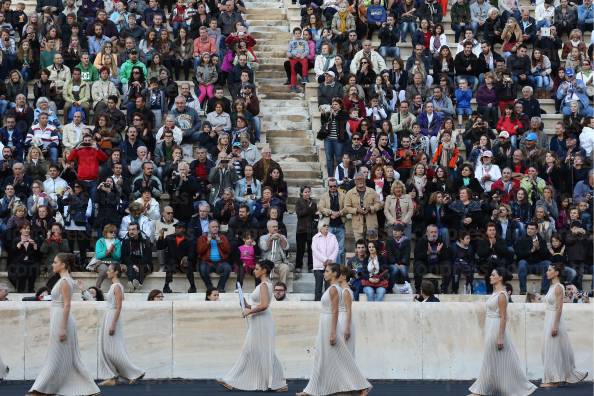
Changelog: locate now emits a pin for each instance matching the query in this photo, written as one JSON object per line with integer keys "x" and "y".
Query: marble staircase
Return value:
{"x": 286, "y": 122}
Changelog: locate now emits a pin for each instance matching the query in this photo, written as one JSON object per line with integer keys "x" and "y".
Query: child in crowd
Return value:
{"x": 247, "y": 254}
{"x": 463, "y": 96}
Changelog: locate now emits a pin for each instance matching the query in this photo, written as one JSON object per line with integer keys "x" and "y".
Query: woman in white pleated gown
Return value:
{"x": 63, "y": 372}
{"x": 345, "y": 309}
{"x": 557, "y": 354}
{"x": 114, "y": 362}
{"x": 258, "y": 367}
{"x": 3, "y": 370}
{"x": 334, "y": 370}
{"x": 501, "y": 372}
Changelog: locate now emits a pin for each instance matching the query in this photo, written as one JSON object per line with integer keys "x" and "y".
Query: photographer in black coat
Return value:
{"x": 137, "y": 254}
{"x": 180, "y": 253}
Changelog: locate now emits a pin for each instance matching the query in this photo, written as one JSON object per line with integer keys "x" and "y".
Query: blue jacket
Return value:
{"x": 463, "y": 98}
{"x": 585, "y": 15}
{"x": 430, "y": 129}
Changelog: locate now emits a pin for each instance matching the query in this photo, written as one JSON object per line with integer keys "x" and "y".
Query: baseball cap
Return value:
{"x": 569, "y": 71}
{"x": 504, "y": 134}
{"x": 236, "y": 144}
{"x": 531, "y": 137}
{"x": 331, "y": 73}
{"x": 487, "y": 153}
{"x": 180, "y": 224}
{"x": 398, "y": 227}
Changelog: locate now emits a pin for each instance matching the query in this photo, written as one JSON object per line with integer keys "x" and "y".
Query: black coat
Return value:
{"x": 24, "y": 261}
{"x": 174, "y": 252}
{"x": 524, "y": 250}
{"x": 421, "y": 251}
{"x": 398, "y": 253}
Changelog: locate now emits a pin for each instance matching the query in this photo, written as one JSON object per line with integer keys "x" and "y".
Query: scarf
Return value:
{"x": 342, "y": 20}
{"x": 420, "y": 182}
{"x": 327, "y": 60}
{"x": 447, "y": 151}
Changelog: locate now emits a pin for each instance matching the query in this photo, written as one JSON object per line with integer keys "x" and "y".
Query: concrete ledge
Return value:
{"x": 156, "y": 280}
{"x": 188, "y": 339}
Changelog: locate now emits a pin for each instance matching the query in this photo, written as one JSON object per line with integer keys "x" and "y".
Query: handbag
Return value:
{"x": 323, "y": 132}
{"x": 382, "y": 283}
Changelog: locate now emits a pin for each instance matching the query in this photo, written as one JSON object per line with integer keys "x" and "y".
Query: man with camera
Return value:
{"x": 179, "y": 255}
{"x": 213, "y": 253}
{"x": 221, "y": 177}
{"x": 88, "y": 157}
{"x": 183, "y": 190}
{"x": 136, "y": 255}
{"x": 274, "y": 246}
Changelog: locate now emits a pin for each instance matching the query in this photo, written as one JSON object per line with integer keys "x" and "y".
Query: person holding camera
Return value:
{"x": 88, "y": 158}
{"x": 136, "y": 255}
{"x": 213, "y": 250}
{"x": 221, "y": 177}
{"x": 274, "y": 247}
{"x": 180, "y": 254}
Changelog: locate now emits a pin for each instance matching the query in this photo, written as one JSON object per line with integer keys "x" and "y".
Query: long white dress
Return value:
{"x": 63, "y": 371}
{"x": 334, "y": 369}
{"x": 342, "y": 318}
{"x": 501, "y": 372}
{"x": 557, "y": 354}
{"x": 3, "y": 369}
{"x": 258, "y": 368}
{"x": 113, "y": 356}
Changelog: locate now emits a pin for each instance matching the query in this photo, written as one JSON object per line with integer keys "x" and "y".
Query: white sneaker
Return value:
{"x": 130, "y": 286}
{"x": 136, "y": 284}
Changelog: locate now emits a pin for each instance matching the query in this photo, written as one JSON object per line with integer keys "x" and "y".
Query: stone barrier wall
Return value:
{"x": 201, "y": 340}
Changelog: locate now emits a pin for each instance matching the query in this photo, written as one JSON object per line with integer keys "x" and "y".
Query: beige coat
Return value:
{"x": 406, "y": 205}
{"x": 370, "y": 200}
{"x": 324, "y": 205}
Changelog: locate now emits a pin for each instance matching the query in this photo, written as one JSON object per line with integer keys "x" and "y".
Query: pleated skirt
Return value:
{"x": 63, "y": 372}
{"x": 351, "y": 342}
{"x": 557, "y": 354}
{"x": 334, "y": 369}
{"x": 3, "y": 370}
{"x": 501, "y": 372}
{"x": 258, "y": 368}
{"x": 113, "y": 355}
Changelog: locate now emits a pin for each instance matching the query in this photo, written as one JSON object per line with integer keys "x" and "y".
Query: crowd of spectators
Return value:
{"x": 444, "y": 154}
{"x": 107, "y": 152}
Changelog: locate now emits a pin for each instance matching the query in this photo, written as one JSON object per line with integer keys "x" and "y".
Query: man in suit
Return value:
{"x": 179, "y": 253}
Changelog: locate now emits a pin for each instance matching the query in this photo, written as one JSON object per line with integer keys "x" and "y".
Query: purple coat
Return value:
{"x": 484, "y": 96}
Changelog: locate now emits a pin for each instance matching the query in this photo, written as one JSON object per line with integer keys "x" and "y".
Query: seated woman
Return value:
{"x": 35, "y": 165}
{"x": 108, "y": 250}
{"x": 249, "y": 189}
{"x": 43, "y": 106}
{"x": 39, "y": 198}
{"x": 275, "y": 180}
{"x": 375, "y": 274}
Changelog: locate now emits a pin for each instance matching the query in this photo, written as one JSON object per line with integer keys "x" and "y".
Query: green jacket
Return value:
{"x": 126, "y": 70}
{"x": 84, "y": 93}
{"x": 460, "y": 13}
{"x": 89, "y": 74}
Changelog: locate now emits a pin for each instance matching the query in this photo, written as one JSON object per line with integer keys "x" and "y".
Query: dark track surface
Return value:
{"x": 211, "y": 388}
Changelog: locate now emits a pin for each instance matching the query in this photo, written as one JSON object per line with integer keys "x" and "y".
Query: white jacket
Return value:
{"x": 101, "y": 90}
{"x": 587, "y": 140}
{"x": 494, "y": 172}
{"x": 442, "y": 41}
{"x": 146, "y": 226}
{"x": 541, "y": 13}
{"x": 377, "y": 62}
{"x": 319, "y": 64}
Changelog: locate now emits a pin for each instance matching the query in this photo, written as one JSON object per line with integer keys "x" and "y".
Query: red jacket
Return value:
{"x": 88, "y": 159}
{"x": 506, "y": 124}
{"x": 506, "y": 197}
{"x": 204, "y": 248}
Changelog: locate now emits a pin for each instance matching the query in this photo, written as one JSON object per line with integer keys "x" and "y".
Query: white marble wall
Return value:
{"x": 197, "y": 339}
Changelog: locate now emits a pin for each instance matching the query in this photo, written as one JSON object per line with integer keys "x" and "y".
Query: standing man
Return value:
{"x": 362, "y": 203}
